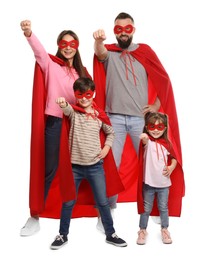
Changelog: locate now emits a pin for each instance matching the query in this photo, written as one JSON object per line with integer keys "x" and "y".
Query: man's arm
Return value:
{"x": 99, "y": 47}
{"x": 152, "y": 107}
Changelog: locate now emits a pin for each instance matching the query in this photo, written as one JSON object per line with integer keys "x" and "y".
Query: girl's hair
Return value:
{"x": 83, "y": 84}
{"x": 77, "y": 62}
{"x": 161, "y": 118}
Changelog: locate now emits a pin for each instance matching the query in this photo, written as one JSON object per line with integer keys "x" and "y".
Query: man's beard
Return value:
{"x": 124, "y": 44}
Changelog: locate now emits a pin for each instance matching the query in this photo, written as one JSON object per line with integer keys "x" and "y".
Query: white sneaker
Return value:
{"x": 112, "y": 213}
{"x": 156, "y": 219}
{"x": 31, "y": 227}
{"x": 100, "y": 226}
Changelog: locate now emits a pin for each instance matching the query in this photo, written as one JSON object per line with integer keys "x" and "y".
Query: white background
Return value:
{"x": 181, "y": 33}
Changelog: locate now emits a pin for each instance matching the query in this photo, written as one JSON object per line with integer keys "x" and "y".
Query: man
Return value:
{"x": 131, "y": 81}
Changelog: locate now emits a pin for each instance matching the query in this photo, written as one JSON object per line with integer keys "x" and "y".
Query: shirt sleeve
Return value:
{"x": 68, "y": 111}
{"x": 39, "y": 51}
{"x": 109, "y": 131}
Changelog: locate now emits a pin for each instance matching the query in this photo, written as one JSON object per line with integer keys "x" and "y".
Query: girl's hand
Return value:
{"x": 167, "y": 171}
{"x": 144, "y": 137}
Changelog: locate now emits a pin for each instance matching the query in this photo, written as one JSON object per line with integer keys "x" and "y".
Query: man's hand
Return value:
{"x": 99, "y": 35}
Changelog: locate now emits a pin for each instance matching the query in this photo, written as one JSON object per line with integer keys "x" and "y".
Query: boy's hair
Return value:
{"x": 83, "y": 84}
{"x": 152, "y": 118}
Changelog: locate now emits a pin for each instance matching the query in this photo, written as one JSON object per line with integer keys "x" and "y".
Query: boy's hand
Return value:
{"x": 61, "y": 102}
{"x": 104, "y": 152}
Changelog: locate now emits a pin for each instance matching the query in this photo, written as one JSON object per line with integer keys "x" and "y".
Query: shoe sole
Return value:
{"x": 167, "y": 243}
{"x": 118, "y": 245}
{"x": 30, "y": 234}
{"x": 141, "y": 244}
{"x": 58, "y": 247}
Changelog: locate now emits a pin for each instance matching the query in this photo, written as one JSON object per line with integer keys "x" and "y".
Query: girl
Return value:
{"x": 159, "y": 163}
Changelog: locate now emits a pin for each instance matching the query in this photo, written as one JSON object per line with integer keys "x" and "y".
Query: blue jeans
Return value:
{"x": 162, "y": 200}
{"x": 96, "y": 178}
{"x": 123, "y": 125}
{"x": 52, "y": 143}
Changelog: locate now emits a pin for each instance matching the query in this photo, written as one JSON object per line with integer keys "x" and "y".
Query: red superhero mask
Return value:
{"x": 88, "y": 94}
{"x": 119, "y": 29}
{"x": 152, "y": 127}
{"x": 73, "y": 44}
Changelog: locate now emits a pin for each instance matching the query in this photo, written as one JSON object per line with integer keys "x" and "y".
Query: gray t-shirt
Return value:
{"x": 126, "y": 83}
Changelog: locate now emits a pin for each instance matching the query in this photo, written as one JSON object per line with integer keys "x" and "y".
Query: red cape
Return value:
{"x": 159, "y": 84}
{"x": 62, "y": 189}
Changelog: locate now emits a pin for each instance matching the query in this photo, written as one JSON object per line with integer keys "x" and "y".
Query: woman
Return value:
{"x": 54, "y": 76}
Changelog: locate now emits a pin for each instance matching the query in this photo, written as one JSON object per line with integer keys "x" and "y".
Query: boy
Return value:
{"x": 87, "y": 156}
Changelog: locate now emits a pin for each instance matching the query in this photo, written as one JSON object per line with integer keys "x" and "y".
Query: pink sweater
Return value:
{"x": 58, "y": 81}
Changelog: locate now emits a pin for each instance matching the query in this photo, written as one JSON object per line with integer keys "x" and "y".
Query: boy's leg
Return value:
{"x": 66, "y": 213}
{"x": 96, "y": 179}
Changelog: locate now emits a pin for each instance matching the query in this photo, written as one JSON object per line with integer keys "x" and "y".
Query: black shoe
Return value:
{"x": 59, "y": 242}
{"x": 115, "y": 240}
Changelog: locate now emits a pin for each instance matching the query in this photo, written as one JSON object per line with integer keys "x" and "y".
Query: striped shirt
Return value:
{"x": 84, "y": 136}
